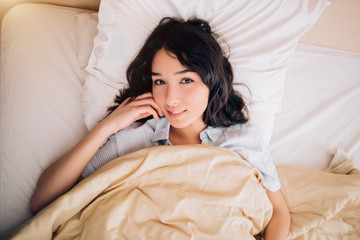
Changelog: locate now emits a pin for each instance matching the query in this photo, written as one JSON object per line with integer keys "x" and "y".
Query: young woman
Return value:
{"x": 180, "y": 92}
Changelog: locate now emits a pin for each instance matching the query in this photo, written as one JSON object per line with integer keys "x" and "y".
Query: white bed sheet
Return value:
{"x": 321, "y": 110}
{"x": 43, "y": 54}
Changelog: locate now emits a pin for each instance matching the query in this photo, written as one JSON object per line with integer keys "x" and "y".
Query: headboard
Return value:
{"x": 336, "y": 28}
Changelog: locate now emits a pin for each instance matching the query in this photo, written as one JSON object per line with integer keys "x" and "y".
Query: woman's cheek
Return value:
{"x": 157, "y": 96}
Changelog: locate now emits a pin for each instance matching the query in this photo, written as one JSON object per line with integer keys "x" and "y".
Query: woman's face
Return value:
{"x": 180, "y": 93}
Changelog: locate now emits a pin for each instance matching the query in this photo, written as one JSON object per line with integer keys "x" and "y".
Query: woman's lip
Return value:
{"x": 176, "y": 114}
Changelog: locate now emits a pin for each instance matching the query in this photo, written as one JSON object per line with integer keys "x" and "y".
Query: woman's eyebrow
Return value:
{"x": 184, "y": 71}
{"x": 177, "y": 73}
{"x": 155, "y": 74}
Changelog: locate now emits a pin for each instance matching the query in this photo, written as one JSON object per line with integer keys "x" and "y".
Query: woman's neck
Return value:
{"x": 188, "y": 135}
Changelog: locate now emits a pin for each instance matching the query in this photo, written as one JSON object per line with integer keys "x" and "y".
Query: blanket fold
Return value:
{"x": 323, "y": 205}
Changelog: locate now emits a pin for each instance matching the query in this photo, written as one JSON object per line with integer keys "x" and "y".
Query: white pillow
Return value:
{"x": 262, "y": 36}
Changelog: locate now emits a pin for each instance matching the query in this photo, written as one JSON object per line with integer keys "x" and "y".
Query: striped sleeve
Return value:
{"x": 104, "y": 155}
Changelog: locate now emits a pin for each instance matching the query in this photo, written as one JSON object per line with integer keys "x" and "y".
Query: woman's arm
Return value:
{"x": 278, "y": 227}
{"x": 63, "y": 174}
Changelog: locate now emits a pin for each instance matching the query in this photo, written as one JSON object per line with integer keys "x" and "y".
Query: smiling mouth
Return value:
{"x": 176, "y": 114}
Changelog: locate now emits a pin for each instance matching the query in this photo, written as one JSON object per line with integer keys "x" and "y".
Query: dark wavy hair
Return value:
{"x": 197, "y": 48}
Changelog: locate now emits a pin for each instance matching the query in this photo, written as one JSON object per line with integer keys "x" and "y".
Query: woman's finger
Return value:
{"x": 145, "y": 111}
{"x": 147, "y": 100}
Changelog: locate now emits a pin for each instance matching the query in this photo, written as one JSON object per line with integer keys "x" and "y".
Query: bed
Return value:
{"x": 304, "y": 103}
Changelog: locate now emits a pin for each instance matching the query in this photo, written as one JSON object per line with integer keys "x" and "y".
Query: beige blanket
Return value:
{"x": 196, "y": 192}
{"x": 178, "y": 192}
{"x": 323, "y": 205}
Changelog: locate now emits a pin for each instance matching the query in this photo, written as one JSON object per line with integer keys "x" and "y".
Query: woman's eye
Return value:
{"x": 159, "y": 82}
{"x": 187, "y": 80}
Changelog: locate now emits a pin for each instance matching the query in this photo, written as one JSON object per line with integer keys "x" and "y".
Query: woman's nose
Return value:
{"x": 172, "y": 96}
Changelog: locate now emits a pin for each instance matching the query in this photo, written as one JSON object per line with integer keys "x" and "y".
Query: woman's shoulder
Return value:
{"x": 242, "y": 128}
{"x": 234, "y": 134}
{"x": 245, "y": 132}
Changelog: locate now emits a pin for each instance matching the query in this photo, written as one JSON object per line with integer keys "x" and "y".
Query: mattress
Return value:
{"x": 44, "y": 52}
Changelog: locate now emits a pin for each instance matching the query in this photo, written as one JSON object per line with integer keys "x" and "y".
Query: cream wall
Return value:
{"x": 338, "y": 27}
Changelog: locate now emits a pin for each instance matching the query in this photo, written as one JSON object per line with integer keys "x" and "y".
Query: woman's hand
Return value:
{"x": 130, "y": 111}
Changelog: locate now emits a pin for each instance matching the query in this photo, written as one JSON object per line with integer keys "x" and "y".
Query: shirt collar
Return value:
{"x": 162, "y": 128}
{"x": 212, "y": 133}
